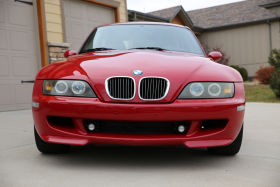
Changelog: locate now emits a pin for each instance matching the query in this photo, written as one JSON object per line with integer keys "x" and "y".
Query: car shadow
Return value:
{"x": 137, "y": 157}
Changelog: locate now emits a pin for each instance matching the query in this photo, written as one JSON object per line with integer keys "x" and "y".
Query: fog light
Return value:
{"x": 91, "y": 127}
{"x": 181, "y": 128}
{"x": 241, "y": 108}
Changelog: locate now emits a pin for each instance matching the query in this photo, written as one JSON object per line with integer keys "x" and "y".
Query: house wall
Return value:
{"x": 247, "y": 46}
{"x": 54, "y": 27}
{"x": 53, "y": 16}
{"x": 275, "y": 31}
{"x": 122, "y": 11}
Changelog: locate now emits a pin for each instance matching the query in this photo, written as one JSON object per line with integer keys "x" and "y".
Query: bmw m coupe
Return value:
{"x": 139, "y": 84}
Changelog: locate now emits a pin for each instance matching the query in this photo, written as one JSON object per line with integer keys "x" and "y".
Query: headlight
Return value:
{"x": 76, "y": 88}
{"x": 196, "y": 89}
{"x": 61, "y": 87}
{"x": 203, "y": 90}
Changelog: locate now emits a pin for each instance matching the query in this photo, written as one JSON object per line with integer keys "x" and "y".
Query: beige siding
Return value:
{"x": 122, "y": 11}
{"x": 246, "y": 46}
{"x": 275, "y": 30}
{"x": 53, "y": 21}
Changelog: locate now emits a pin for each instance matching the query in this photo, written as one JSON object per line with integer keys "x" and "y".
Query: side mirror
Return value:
{"x": 69, "y": 53}
{"x": 215, "y": 55}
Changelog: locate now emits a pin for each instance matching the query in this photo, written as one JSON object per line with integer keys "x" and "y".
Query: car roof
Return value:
{"x": 145, "y": 23}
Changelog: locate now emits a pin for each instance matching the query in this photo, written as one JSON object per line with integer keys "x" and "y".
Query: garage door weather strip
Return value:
{"x": 25, "y": 2}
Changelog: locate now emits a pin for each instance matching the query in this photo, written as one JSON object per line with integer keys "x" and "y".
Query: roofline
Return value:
{"x": 270, "y": 5}
{"x": 188, "y": 18}
{"x": 238, "y": 24}
{"x": 202, "y": 29}
{"x": 185, "y": 14}
{"x": 178, "y": 6}
{"x": 148, "y": 15}
{"x": 176, "y": 13}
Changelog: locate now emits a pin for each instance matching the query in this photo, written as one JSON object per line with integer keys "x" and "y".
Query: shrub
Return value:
{"x": 264, "y": 74}
{"x": 274, "y": 60}
{"x": 242, "y": 71}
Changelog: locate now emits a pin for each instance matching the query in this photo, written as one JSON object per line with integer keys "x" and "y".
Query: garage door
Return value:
{"x": 80, "y": 17}
{"x": 18, "y": 59}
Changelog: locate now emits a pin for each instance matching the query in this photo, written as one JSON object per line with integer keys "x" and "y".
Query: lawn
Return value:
{"x": 260, "y": 93}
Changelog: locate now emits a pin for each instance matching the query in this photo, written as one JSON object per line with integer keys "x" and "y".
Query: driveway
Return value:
{"x": 258, "y": 163}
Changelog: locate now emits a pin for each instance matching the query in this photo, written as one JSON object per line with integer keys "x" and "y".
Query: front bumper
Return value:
{"x": 193, "y": 111}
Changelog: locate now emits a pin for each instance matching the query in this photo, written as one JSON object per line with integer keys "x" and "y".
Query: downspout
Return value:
{"x": 134, "y": 17}
{"x": 270, "y": 35}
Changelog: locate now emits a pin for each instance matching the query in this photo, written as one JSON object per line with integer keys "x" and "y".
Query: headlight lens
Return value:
{"x": 203, "y": 90}
{"x": 61, "y": 87}
{"x": 76, "y": 88}
{"x": 214, "y": 89}
{"x": 196, "y": 89}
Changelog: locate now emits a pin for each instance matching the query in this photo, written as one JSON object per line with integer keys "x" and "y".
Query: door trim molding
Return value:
{"x": 115, "y": 5}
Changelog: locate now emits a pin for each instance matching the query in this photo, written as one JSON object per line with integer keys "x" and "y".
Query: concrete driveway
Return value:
{"x": 258, "y": 163}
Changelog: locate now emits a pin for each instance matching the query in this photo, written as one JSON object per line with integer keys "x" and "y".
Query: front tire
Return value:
{"x": 49, "y": 148}
{"x": 230, "y": 149}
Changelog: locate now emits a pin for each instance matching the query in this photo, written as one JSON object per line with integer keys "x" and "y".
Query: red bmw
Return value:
{"x": 139, "y": 84}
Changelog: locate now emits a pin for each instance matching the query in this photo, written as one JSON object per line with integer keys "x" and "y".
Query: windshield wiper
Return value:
{"x": 97, "y": 49}
{"x": 153, "y": 48}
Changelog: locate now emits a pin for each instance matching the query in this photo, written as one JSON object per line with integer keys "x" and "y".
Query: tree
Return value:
{"x": 274, "y": 60}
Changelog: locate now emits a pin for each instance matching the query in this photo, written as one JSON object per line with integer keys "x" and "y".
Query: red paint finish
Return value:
{"x": 215, "y": 55}
{"x": 69, "y": 53}
{"x": 179, "y": 68}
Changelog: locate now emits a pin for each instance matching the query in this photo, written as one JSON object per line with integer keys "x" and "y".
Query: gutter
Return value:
{"x": 136, "y": 14}
{"x": 238, "y": 24}
{"x": 270, "y": 5}
{"x": 270, "y": 34}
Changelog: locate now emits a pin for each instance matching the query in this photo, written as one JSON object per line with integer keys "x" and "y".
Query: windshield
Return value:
{"x": 125, "y": 37}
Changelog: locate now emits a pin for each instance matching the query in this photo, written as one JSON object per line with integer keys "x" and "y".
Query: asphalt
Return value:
{"x": 257, "y": 164}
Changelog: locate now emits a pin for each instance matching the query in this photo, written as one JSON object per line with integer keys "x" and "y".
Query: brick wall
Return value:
{"x": 56, "y": 51}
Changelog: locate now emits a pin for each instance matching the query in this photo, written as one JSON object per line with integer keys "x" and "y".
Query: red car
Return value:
{"x": 139, "y": 84}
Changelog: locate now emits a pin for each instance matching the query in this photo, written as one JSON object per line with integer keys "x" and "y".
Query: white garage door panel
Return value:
{"x": 22, "y": 66}
{"x": 18, "y": 54}
{"x": 2, "y": 12}
{"x": 7, "y": 91}
{"x": 18, "y": 14}
{"x": 4, "y": 64}
{"x": 3, "y": 39}
{"x": 81, "y": 17}
{"x": 98, "y": 13}
{"x": 22, "y": 41}
{"x": 23, "y": 95}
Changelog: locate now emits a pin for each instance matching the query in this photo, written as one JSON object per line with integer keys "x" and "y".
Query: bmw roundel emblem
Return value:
{"x": 137, "y": 72}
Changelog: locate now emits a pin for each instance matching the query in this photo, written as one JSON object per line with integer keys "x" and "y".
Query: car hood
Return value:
{"x": 178, "y": 67}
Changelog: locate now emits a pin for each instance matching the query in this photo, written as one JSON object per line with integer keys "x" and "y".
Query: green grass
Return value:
{"x": 260, "y": 93}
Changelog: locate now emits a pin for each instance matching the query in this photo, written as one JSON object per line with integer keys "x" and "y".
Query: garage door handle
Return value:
{"x": 26, "y": 2}
{"x": 27, "y": 81}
